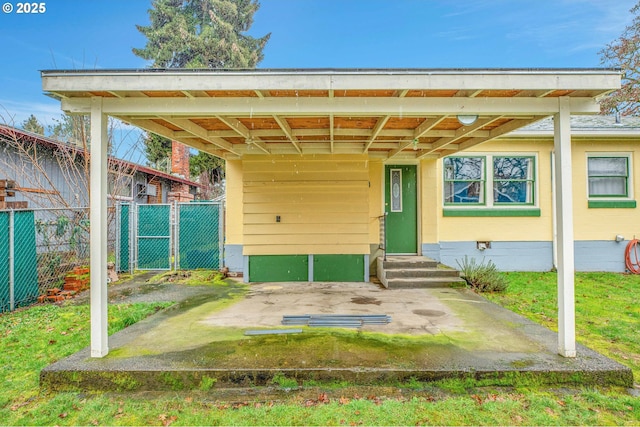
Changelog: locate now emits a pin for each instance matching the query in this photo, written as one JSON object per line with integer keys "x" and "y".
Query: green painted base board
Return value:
{"x": 338, "y": 268}
{"x": 449, "y": 212}
{"x": 612, "y": 204}
{"x": 278, "y": 268}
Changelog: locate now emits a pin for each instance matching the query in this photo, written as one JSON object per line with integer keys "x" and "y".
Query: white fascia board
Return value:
{"x": 75, "y": 81}
{"x": 364, "y": 106}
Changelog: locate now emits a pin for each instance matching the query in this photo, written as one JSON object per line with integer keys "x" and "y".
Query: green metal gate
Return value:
{"x": 153, "y": 237}
{"x": 199, "y": 235}
{"x": 158, "y": 237}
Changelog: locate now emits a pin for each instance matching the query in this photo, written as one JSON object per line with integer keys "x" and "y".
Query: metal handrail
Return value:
{"x": 383, "y": 219}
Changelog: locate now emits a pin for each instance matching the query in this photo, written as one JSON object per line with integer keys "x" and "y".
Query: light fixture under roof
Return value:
{"x": 467, "y": 119}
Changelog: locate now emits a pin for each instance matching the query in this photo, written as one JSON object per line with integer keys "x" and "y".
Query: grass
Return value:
{"x": 190, "y": 277}
{"x": 34, "y": 337}
{"x": 607, "y": 312}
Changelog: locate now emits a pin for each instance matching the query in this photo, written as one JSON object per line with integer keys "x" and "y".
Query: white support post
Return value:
{"x": 564, "y": 222}
{"x": 98, "y": 218}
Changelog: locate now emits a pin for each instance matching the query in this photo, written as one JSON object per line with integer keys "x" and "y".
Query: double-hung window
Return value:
{"x": 495, "y": 184}
{"x": 464, "y": 180}
{"x": 609, "y": 181}
{"x": 513, "y": 182}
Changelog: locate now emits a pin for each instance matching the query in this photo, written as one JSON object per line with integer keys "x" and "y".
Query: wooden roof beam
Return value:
{"x": 419, "y": 131}
{"x": 313, "y": 106}
{"x": 242, "y": 130}
{"x": 499, "y": 131}
{"x": 199, "y": 131}
{"x": 462, "y": 132}
{"x": 288, "y": 132}
{"x": 534, "y": 93}
{"x": 158, "y": 129}
{"x": 376, "y": 130}
{"x": 467, "y": 93}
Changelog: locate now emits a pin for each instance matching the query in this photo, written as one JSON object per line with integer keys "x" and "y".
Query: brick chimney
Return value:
{"x": 179, "y": 167}
{"x": 179, "y": 159}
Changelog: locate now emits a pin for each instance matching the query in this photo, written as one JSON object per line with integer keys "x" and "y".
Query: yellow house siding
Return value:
{"x": 505, "y": 228}
{"x": 322, "y": 202}
{"x": 431, "y": 189}
{"x": 233, "y": 217}
{"x": 376, "y": 170}
{"x": 603, "y": 224}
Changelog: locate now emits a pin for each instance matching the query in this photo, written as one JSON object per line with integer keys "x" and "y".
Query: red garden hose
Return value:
{"x": 632, "y": 257}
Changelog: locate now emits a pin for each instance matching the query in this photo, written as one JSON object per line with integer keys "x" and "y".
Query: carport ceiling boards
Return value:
{"x": 399, "y": 114}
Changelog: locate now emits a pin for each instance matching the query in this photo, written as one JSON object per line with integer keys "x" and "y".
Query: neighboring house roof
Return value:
{"x": 595, "y": 125}
{"x": 19, "y": 134}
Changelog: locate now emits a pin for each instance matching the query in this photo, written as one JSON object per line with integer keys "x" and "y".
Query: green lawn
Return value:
{"x": 607, "y": 310}
{"x": 607, "y": 319}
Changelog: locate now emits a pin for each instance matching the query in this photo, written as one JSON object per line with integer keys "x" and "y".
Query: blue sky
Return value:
{"x": 90, "y": 34}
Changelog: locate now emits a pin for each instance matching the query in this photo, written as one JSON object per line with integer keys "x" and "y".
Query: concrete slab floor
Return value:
{"x": 434, "y": 334}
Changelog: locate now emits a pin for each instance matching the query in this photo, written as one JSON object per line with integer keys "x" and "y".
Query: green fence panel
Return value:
{"x": 25, "y": 267}
{"x": 123, "y": 235}
{"x": 4, "y": 262}
{"x": 154, "y": 237}
{"x": 199, "y": 236}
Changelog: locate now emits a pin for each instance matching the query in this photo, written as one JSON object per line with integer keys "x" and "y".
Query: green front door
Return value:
{"x": 401, "y": 206}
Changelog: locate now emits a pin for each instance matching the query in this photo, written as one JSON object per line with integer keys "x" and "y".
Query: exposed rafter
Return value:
{"x": 376, "y": 112}
{"x": 499, "y": 131}
{"x": 376, "y": 130}
{"x": 288, "y": 132}
{"x": 242, "y": 130}
{"x": 200, "y": 132}
{"x": 154, "y": 127}
{"x": 418, "y": 132}
{"x": 460, "y": 133}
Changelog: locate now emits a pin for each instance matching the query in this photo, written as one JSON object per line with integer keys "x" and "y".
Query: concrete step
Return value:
{"x": 438, "y": 282}
{"x": 396, "y": 262}
{"x": 421, "y": 272}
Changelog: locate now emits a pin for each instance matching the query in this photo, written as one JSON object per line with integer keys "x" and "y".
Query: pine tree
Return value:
{"x": 158, "y": 149}
{"x": 202, "y": 34}
{"x": 31, "y": 124}
{"x": 199, "y": 34}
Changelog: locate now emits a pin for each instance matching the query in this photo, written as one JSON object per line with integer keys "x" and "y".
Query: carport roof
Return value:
{"x": 385, "y": 113}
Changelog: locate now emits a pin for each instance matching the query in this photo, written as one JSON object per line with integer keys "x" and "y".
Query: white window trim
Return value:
{"x": 488, "y": 181}
{"x": 630, "y": 190}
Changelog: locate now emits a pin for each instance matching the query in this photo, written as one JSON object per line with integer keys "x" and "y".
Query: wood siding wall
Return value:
{"x": 322, "y": 202}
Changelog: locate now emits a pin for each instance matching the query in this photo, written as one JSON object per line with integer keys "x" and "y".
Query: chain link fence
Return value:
{"x": 199, "y": 230}
{"x": 62, "y": 243}
{"x": 183, "y": 236}
{"x": 41, "y": 247}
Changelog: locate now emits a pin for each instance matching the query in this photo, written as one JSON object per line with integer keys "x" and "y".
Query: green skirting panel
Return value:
{"x": 338, "y": 268}
{"x": 279, "y": 268}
